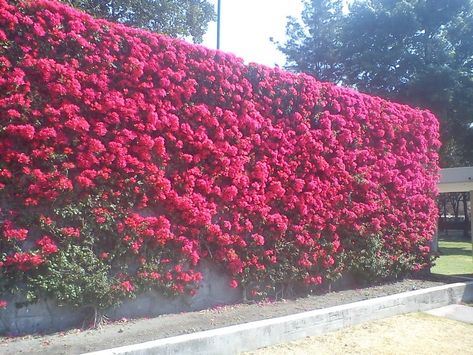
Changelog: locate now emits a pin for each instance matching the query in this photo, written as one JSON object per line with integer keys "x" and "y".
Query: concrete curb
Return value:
{"x": 458, "y": 312}
{"x": 253, "y": 335}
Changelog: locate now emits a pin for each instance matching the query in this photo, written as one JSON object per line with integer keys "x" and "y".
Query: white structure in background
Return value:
{"x": 457, "y": 180}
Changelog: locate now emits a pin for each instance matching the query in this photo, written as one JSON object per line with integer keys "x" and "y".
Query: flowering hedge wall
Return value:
{"x": 128, "y": 157}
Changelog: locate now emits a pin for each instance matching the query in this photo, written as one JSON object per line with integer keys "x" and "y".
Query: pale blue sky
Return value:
{"x": 247, "y": 26}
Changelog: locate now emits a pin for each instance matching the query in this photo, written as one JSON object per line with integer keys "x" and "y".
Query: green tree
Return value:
{"x": 314, "y": 49}
{"x": 176, "y": 18}
{"x": 418, "y": 52}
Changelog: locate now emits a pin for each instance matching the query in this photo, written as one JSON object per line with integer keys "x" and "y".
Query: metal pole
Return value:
{"x": 471, "y": 220}
{"x": 219, "y": 11}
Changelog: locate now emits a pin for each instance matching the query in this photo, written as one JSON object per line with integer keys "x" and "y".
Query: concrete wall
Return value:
{"x": 45, "y": 316}
{"x": 250, "y": 336}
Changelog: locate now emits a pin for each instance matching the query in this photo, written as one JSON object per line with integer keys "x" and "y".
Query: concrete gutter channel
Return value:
{"x": 254, "y": 335}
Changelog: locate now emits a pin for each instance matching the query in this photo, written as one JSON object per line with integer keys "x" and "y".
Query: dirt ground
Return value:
{"x": 416, "y": 333}
{"x": 128, "y": 332}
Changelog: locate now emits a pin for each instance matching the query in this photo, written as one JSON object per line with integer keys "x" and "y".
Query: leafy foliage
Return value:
{"x": 176, "y": 18}
{"x": 77, "y": 277}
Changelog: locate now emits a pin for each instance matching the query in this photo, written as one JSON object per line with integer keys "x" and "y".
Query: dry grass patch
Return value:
{"x": 417, "y": 333}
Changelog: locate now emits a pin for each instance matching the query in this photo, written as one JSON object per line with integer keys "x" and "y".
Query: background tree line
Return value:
{"x": 418, "y": 52}
{"x": 176, "y": 18}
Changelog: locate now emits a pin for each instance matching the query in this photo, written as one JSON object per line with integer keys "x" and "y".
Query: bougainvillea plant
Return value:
{"x": 126, "y": 158}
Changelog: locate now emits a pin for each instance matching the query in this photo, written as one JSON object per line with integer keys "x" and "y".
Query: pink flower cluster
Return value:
{"x": 261, "y": 170}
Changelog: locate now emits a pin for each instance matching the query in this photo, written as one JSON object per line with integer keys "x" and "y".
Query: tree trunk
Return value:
{"x": 466, "y": 225}
{"x": 454, "y": 198}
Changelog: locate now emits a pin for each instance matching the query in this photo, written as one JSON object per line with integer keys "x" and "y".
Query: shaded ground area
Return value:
{"x": 455, "y": 257}
{"x": 416, "y": 333}
{"x": 138, "y": 331}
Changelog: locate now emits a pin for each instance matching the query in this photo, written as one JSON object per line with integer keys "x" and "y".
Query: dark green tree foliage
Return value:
{"x": 418, "y": 52}
{"x": 176, "y": 18}
{"x": 314, "y": 49}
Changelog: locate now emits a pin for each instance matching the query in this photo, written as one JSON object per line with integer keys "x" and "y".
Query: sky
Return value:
{"x": 247, "y": 25}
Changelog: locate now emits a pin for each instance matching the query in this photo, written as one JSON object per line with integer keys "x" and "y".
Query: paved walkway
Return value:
{"x": 455, "y": 312}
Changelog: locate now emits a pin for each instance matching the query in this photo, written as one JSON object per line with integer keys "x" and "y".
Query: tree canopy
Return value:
{"x": 418, "y": 52}
{"x": 176, "y": 18}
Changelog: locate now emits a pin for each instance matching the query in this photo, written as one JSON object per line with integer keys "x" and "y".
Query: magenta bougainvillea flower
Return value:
{"x": 160, "y": 153}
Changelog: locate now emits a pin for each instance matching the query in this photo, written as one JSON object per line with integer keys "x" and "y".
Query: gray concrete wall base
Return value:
{"x": 250, "y": 336}
{"x": 46, "y": 316}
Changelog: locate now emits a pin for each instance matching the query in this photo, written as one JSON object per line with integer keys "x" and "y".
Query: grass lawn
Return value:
{"x": 455, "y": 257}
